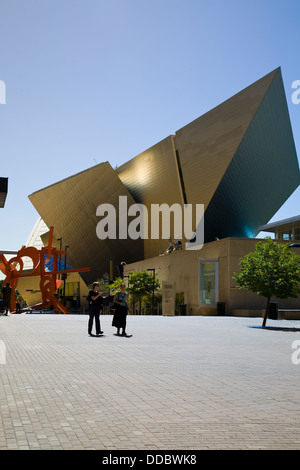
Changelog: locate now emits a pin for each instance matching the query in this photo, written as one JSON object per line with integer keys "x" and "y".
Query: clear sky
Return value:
{"x": 89, "y": 81}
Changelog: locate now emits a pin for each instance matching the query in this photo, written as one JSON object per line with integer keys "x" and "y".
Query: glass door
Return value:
{"x": 208, "y": 282}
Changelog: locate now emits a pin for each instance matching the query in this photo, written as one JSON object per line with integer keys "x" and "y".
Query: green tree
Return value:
{"x": 272, "y": 270}
{"x": 103, "y": 284}
{"x": 141, "y": 284}
{"x": 115, "y": 286}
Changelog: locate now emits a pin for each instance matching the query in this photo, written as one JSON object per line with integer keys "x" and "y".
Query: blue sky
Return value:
{"x": 103, "y": 80}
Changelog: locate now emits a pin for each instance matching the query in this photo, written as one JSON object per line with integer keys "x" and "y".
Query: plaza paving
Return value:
{"x": 186, "y": 383}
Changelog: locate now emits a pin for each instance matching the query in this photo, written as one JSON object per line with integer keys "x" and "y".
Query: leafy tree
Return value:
{"x": 273, "y": 269}
{"x": 141, "y": 284}
{"x": 115, "y": 286}
{"x": 103, "y": 284}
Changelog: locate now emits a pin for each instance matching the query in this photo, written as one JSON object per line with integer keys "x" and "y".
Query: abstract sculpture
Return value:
{"x": 13, "y": 270}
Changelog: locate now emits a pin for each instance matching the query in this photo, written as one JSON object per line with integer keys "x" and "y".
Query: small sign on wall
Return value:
{"x": 168, "y": 297}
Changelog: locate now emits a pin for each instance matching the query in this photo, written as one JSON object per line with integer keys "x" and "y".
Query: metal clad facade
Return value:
{"x": 239, "y": 160}
{"x": 70, "y": 207}
{"x": 207, "y": 145}
{"x": 263, "y": 173}
{"x": 153, "y": 178}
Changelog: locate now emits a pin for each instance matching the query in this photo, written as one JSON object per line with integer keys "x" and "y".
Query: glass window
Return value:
{"x": 297, "y": 233}
{"x": 208, "y": 282}
{"x": 287, "y": 235}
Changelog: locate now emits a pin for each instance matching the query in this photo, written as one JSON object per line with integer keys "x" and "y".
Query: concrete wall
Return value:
{"x": 182, "y": 267}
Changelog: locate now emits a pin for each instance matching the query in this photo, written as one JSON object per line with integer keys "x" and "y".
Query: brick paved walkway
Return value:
{"x": 178, "y": 383}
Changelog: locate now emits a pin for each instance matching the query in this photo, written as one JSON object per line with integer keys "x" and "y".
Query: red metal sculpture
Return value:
{"x": 13, "y": 270}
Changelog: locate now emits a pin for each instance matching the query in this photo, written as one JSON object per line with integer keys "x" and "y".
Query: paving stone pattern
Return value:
{"x": 179, "y": 383}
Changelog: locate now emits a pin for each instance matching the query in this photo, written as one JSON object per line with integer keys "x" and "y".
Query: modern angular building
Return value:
{"x": 238, "y": 160}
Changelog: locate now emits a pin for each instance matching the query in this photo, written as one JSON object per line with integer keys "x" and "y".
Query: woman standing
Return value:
{"x": 18, "y": 304}
{"x": 95, "y": 305}
{"x": 119, "y": 318}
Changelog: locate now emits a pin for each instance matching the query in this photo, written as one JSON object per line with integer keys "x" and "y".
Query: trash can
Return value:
{"x": 273, "y": 311}
{"x": 221, "y": 308}
{"x": 182, "y": 309}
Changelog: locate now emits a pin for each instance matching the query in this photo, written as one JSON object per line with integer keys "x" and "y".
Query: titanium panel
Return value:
{"x": 262, "y": 175}
{"x": 70, "y": 207}
{"x": 152, "y": 177}
{"x": 207, "y": 145}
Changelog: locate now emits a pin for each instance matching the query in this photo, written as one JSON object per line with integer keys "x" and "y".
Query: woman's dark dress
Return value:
{"x": 119, "y": 318}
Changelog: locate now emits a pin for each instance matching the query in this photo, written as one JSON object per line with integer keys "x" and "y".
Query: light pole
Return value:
{"x": 59, "y": 266}
{"x": 59, "y": 258}
{"x": 153, "y": 273}
{"x": 64, "y": 276}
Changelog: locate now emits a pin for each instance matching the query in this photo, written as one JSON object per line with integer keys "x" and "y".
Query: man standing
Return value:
{"x": 6, "y": 295}
{"x": 95, "y": 305}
